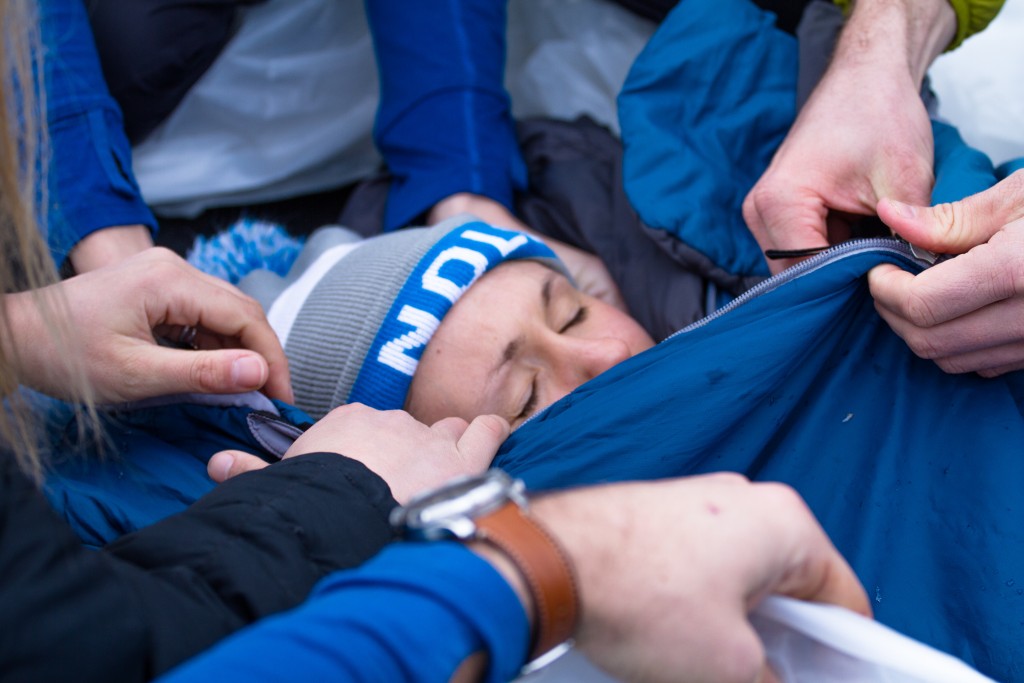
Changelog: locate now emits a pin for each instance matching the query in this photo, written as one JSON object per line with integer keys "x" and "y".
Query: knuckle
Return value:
{"x": 746, "y": 660}
{"x": 1015, "y": 268}
{"x": 952, "y": 366}
{"x": 1013, "y": 186}
{"x": 495, "y": 424}
{"x": 729, "y": 479}
{"x": 919, "y": 310}
{"x": 204, "y": 373}
{"x": 922, "y": 343}
{"x": 950, "y": 219}
{"x": 781, "y": 497}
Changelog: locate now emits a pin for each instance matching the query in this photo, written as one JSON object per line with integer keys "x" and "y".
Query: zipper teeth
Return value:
{"x": 840, "y": 251}
{"x": 891, "y": 245}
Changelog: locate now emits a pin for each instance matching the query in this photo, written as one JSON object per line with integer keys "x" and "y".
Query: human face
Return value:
{"x": 518, "y": 340}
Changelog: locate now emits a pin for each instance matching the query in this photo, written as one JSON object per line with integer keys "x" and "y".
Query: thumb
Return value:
{"x": 226, "y": 464}
{"x": 226, "y": 371}
{"x": 482, "y": 438}
{"x": 955, "y": 227}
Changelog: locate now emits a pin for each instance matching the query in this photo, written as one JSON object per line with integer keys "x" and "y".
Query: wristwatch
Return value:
{"x": 493, "y": 508}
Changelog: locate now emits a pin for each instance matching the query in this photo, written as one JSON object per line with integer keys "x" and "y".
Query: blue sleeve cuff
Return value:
{"x": 413, "y": 613}
{"x": 444, "y": 124}
{"x": 477, "y": 153}
{"x": 90, "y": 183}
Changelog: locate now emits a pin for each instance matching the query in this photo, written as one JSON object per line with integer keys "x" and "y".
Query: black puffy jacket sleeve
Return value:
{"x": 253, "y": 546}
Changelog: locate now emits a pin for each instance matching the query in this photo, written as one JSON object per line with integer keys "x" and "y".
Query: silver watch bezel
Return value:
{"x": 451, "y": 511}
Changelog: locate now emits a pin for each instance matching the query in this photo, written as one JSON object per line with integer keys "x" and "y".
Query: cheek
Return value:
{"x": 619, "y": 325}
{"x": 444, "y": 387}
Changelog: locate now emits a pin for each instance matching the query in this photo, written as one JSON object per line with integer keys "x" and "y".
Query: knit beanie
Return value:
{"x": 354, "y": 315}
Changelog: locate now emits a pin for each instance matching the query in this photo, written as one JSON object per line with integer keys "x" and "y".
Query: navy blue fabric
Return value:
{"x": 91, "y": 185}
{"x": 444, "y": 122}
{"x": 915, "y": 474}
{"x": 150, "y": 464}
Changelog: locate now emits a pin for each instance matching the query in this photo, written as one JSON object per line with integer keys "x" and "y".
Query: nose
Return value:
{"x": 588, "y": 358}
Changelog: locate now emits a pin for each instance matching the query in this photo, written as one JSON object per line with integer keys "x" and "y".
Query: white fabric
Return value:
{"x": 288, "y": 107}
{"x": 813, "y": 643}
{"x": 287, "y": 305}
{"x": 980, "y": 86}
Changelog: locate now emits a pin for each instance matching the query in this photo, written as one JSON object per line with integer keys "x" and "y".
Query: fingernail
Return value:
{"x": 904, "y": 210}
{"x": 220, "y": 465}
{"x": 247, "y": 372}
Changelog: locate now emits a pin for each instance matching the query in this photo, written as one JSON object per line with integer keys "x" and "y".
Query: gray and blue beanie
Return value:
{"x": 354, "y": 315}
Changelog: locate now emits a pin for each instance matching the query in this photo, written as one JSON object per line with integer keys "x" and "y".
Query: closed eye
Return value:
{"x": 581, "y": 315}
{"x": 531, "y": 402}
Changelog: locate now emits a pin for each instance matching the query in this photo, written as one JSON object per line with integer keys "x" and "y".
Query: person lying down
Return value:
{"x": 457, "y": 320}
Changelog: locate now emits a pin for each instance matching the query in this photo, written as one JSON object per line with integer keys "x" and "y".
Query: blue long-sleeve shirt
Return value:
{"x": 413, "y": 613}
{"x": 444, "y": 124}
{"x": 90, "y": 183}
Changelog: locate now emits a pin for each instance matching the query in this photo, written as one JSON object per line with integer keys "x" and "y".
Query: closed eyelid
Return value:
{"x": 531, "y": 402}
{"x": 580, "y": 317}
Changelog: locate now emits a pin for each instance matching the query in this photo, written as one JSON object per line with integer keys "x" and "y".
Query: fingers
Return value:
{"x": 482, "y": 439}
{"x": 785, "y": 221}
{"x": 181, "y": 295}
{"x": 951, "y": 289}
{"x": 165, "y": 371}
{"x": 227, "y": 464}
{"x": 816, "y": 571}
{"x": 955, "y": 228}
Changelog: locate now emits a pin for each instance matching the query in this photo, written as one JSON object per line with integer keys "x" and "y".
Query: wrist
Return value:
{"x": 491, "y": 514}
{"x": 109, "y": 246}
{"x": 902, "y": 34}
{"x": 19, "y": 334}
{"x": 511, "y": 573}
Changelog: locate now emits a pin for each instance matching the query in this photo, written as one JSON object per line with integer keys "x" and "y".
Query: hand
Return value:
{"x": 408, "y": 455}
{"x": 109, "y": 246}
{"x": 967, "y": 313}
{"x": 862, "y": 135}
{"x": 668, "y": 572}
{"x": 114, "y": 315}
{"x": 587, "y": 270}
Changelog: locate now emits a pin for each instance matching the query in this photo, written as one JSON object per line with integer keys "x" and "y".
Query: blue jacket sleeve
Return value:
{"x": 382, "y": 622}
{"x": 444, "y": 124}
{"x": 90, "y": 183}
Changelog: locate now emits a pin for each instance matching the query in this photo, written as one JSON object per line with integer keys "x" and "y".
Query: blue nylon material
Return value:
{"x": 915, "y": 474}
{"x": 702, "y": 111}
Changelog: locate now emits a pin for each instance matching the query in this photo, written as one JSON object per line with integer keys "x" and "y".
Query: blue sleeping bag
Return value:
{"x": 915, "y": 474}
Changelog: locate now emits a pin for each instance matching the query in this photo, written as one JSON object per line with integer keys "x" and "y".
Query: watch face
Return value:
{"x": 450, "y": 510}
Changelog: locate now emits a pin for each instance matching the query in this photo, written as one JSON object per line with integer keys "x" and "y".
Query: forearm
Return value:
{"x": 384, "y": 622}
{"x": 896, "y": 34}
{"x": 90, "y": 181}
{"x": 444, "y": 123}
{"x": 110, "y": 245}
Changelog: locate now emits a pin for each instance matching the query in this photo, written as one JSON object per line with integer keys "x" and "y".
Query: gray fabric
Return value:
{"x": 329, "y": 342}
{"x": 339, "y": 319}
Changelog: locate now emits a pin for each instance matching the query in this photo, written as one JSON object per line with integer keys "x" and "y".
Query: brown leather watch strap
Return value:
{"x": 544, "y": 565}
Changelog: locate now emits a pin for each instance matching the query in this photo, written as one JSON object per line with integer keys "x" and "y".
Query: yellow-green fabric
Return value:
{"x": 972, "y": 16}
